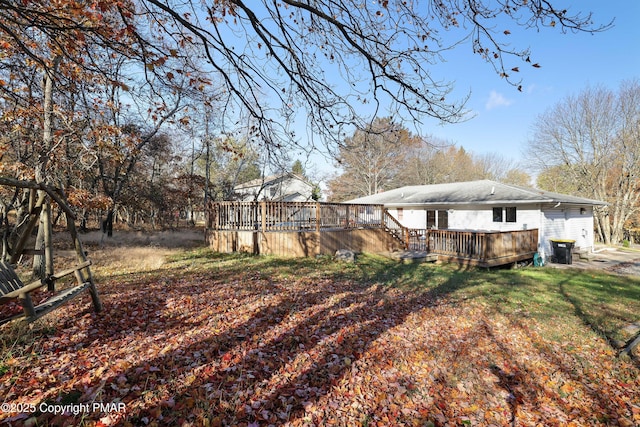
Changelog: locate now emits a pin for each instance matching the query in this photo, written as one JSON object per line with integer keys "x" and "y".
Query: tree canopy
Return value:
{"x": 589, "y": 144}
{"x": 327, "y": 58}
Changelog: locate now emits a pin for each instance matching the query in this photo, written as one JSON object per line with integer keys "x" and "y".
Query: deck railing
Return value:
{"x": 399, "y": 231}
{"x": 292, "y": 216}
{"x": 483, "y": 246}
{"x": 463, "y": 244}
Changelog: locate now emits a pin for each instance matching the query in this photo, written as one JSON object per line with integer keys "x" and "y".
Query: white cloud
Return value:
{"x": 497, "y": 100}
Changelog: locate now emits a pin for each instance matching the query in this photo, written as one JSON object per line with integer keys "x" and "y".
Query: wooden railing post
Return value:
{"x": 318, "y": 216}
{"x": 263, "y": 215}
{"x": 485, "y": 249}
{"x": 346, "y": 224}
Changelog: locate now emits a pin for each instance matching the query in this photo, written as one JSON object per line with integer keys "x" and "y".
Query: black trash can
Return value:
{"x": 562, "y": 250}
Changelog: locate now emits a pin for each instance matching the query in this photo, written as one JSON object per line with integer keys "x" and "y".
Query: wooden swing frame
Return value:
{"x": 11, "y": 287}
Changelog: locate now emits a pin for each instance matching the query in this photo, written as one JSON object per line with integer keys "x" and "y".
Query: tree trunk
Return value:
{"x": 44, "y": 240}
{"x": 38, "y": 260}
{"x": 48, "y": 243}
{"x": 83, "y": 220}
{"x": 107, "y": 224}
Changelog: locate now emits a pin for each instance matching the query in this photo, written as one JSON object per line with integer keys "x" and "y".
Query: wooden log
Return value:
{"x": 59, "y": 200}
{"x": 24, "y": 289}
{"x": 32, "y": 199}
{"x": 27, "y": 305}
{"x": 12, "y": 182}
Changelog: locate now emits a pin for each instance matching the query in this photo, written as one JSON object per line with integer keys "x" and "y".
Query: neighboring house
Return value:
{"x": 286, "y": 187}
{"x": 492, "y": 206}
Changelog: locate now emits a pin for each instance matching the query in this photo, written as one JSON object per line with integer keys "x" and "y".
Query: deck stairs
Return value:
{"x": 397, "y": 230}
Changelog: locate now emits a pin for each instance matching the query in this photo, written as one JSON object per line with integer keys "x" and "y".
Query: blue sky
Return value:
{"x": 569, "y": 63}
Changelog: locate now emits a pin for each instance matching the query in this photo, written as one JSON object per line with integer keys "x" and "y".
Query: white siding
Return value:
{"x": 481, "y": 218}
{"x": 291, "y": 188}
{"x": 474, "y": 218}
{"x": 568, "y": 223}
{"x": 411, "y": 218}
{"x": 294, "y": 185}
{"x": 553, "y": 227}
{"x": 580, "y": 227}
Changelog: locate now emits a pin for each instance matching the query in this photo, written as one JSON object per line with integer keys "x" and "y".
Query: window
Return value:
{"x": 431, "y": 219}
{"x": 273, "y": 191}
{"x": 443, "y": 220}
{"x": 400, "y": 214}
{"x": 497, "y": 214}
{"x": 507, "y": 214}
{"x": 438, "y": 220}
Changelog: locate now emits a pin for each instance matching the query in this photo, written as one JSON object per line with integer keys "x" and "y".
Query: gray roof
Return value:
{"x": 472, "y": 192}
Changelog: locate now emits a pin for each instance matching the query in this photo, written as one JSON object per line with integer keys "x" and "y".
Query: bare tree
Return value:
{"x": 592, "y": 140}
{"x": 371, "y": 159}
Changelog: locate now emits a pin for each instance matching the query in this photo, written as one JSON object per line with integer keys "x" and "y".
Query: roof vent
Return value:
{"x": 493, "y": 190}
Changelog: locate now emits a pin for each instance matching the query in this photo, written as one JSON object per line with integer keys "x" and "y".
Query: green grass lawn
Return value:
{"x": 211, "y": 339}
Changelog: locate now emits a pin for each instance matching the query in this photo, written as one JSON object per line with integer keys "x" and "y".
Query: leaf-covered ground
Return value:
{"x": 211, "y": 340}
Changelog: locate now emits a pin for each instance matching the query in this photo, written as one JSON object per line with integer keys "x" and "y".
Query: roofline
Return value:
{"x": 493, "y": 202}
{"x": 260, "y": 182}
{"x": 539, "y": 197}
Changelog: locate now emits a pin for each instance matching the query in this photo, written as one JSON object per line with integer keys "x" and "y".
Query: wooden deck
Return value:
{"x": 486, "y": 249}
{"x": 295, "y": 229}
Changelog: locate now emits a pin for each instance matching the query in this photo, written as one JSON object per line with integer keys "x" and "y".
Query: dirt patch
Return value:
{"x": 130, "y": 251}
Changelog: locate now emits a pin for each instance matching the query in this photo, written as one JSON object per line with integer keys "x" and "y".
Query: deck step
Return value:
{"x": 410, "y": 257}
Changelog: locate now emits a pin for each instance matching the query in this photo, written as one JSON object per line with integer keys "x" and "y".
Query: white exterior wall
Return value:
{"x": 553, "y": 227}
{"x": 411, "y": 217}
{"x": 568, "y": 223}
{"x": 480, "y": 218}
{"x": 292, "y": 186}
{"x": 474, "y": 218}
{"x": 279, "y": 188}
{"x": 580, "y": 227}
{"x": 247, "y": 193}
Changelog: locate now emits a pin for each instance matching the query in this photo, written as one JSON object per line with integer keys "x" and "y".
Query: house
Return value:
{"x": 285, "y": 187}
{"x": 492, "y": 206}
